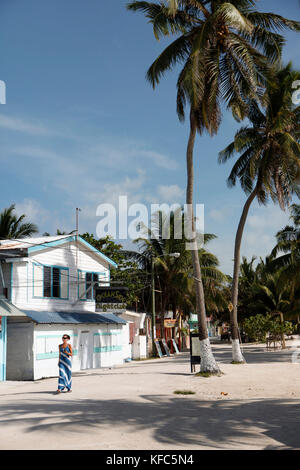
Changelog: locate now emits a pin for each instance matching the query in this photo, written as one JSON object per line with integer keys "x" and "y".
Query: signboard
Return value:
{"x": 169, "y": 323}
{"x": 166, "y": 347}
{"x": 194, "y": 351}
{"x": 158, "y": 348}
{"x": 111, "y": 299}
{"x": 193, "y": 325}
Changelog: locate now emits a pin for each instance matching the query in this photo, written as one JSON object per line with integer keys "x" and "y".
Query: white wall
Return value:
{"x": 127, "y": 348}
{"x": 61, "y": 256}
{"x": 137, "y": 350}
{"x": 105, "y": 345}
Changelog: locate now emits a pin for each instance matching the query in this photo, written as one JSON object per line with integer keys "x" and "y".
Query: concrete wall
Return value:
{"x": 19, "y": 362}
{"x": 103, "y": 342}
{"x": 137, "y": 350}
{"x": 127, "y": 348}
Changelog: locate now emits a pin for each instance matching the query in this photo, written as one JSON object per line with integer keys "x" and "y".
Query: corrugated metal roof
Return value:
{"x": 114, "y": 317}
{"x": 73, "y": 318}
{"x": 7, "y": 309}
{"x": 29, "y": 241}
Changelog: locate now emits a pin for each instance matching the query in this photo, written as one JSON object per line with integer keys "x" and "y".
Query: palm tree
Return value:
{"x": 269, "y": 165}
{"x": 288, "y": 243}
{"x": 288, "y": 261}
{"x": 174, "y": 275}
{"x": 270, "y": 295}
{"x": 12, "y": 226}
{"x": 222, "y": 47}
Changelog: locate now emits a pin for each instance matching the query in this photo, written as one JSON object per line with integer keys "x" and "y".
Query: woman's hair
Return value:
{"x": 67, "y": 336}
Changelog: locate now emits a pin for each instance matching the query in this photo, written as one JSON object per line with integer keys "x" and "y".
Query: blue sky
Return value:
{"x": 81, "y": 125}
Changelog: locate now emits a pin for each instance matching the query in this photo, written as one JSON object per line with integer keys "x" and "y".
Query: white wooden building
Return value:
{"x": 135, "y": 343}
{"x": 52, "y": 281}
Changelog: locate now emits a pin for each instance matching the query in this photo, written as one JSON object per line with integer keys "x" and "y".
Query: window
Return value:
{"x": 88, "y": 281}
{"x": 50, "y": 282}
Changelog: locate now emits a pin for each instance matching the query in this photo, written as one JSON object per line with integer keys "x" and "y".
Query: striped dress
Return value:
{"x": 65, "y": 369}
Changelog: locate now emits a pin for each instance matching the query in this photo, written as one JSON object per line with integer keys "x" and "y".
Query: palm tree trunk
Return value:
{"x": 208, "y": 363}
{"x": 283, "y": 345}
{"x": 236, "y": 350}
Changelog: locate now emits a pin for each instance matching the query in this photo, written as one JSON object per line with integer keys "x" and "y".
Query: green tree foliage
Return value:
{"x": 127, "y": 273}
{"x": 268, "y": 165}
{"x": 259, "y": 326}
{"x": 14, "y": 226}
{"x": 174, "y": 276}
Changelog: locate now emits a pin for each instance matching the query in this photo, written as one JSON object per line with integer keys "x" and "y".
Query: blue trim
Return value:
{"x": 115, "y": 333}
{"x": 46, "y": 245}
{"x": 107, "y": 349}
{"x": 54, "y": 336}
{"x": 92, "y": 248}
{"x": 73, "y": 238}
{"x": 3, "y": 342}
{"x": 11, "y": 281}
{"x": 51, "y": 266}
{"x": 51, "y": 355}
{"x": 89, "y": 272}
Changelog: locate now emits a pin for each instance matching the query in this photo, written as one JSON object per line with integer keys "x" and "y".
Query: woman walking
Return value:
{"x": 65, "y": 365}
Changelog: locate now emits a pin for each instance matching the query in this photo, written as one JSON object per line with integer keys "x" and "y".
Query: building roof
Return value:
{"x": 73, "y": 318}
{"x": 7, "y": 309}
{"x": 24, "y": 243}
{"x": 33, "y": 244}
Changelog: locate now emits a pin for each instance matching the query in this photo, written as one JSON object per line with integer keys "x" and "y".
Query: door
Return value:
{"x": 84, "y": 350}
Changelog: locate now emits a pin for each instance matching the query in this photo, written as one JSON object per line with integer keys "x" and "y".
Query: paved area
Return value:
{"x": 252, "y": 406}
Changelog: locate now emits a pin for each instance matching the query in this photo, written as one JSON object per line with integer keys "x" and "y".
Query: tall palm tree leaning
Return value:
{"x": 224, "y": 48}
{"x": 287, "y": 257}
{"x": 269, "y": 165}
{"x": 12, "y": 226}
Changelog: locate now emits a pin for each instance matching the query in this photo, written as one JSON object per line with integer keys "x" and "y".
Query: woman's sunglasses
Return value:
{"x": 65, "y": 337}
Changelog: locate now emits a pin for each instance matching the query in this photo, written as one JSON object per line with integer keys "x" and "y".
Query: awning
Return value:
{"x": 73, "y": 318}
{"x": 7, "y": 309}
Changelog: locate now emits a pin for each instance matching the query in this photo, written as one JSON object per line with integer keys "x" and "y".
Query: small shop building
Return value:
{"x": 48, "y": 289}
{"x": 33, "y": 339}
{"x": 134, "y": 335}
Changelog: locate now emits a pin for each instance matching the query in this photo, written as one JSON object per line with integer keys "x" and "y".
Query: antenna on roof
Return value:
{"x": 77, "y": 219}
{"x": 77, "y": 229}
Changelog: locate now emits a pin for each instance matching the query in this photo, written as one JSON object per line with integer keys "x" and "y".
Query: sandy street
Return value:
{"x": 252, "y": 406}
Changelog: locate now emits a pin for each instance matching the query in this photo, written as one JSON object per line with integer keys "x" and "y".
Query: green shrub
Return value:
{"x": 259, "y": 326}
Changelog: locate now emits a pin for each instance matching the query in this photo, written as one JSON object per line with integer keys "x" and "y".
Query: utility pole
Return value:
{"x": 77, "y": 230}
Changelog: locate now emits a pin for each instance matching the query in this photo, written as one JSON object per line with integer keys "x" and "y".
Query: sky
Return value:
{"x": 81, "y": 126}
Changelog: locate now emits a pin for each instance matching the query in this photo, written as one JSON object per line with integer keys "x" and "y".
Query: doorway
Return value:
{"x": 84, "y": 348}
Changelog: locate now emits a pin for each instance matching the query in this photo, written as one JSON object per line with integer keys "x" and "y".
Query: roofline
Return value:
{"x": 106, "y": 258}
{"x": 71, "y": 238}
